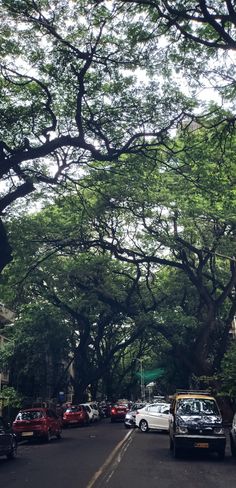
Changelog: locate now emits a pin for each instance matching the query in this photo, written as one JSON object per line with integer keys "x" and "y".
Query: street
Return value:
{"x": 107, "y": 455}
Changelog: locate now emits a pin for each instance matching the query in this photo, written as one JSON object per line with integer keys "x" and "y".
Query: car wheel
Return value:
{"x": 48, "y": 436}
{"x": 143, "y": 426}
{"x": 13, "y": 452}
{"x": 233, "y": 447}
{"x": 58, "y": 435}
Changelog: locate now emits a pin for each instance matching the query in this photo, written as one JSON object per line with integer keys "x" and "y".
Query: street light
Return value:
{"x": 142, "y": 386}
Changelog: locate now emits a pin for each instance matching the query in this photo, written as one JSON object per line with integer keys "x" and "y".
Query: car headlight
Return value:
{"x": 218, "y": 430}
{"x": 181, "y": 430}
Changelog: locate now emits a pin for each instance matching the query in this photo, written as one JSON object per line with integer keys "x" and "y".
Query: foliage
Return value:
{"x": 229, "y": 371}
{"x": 10, "y": 397}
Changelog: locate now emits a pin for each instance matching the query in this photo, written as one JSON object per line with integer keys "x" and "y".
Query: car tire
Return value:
{"x": 58, "y": 435}
{"x": 48, "y": 436}
{"x": 143, "y": 425}
{"x": 13, "y": 452}
{"x": 232, "y": 446}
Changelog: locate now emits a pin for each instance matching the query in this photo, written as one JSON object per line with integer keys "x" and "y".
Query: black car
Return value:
{"x": 233, "y": 437}
{"x": 8, "y": 442}
{"x": 195, "y": 423}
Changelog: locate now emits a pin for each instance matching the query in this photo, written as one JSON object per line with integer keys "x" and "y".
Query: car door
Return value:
{"x": 151, "y": 416}
{"x": 163, "y": 417}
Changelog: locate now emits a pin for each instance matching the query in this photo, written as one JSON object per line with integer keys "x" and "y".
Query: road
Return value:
{"x": 106, "y": 455}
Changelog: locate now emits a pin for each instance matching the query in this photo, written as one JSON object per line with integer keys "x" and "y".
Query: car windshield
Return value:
{"x": 197, "y": 406}
{"x": 30, "y": 415}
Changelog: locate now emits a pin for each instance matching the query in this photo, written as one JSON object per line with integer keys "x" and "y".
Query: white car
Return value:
{"x": 153, "y": 416}
{"x": 92, "y": 411}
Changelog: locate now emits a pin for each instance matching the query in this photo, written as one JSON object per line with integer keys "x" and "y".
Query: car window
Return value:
{"x": 166, "y": 411}
{"x": 154, "y": 409}
{"x": 196, "y": 406}
{"x": 30, "y": 415}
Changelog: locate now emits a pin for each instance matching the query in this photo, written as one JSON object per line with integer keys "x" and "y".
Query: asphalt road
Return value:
{"x": 106, "y": 455}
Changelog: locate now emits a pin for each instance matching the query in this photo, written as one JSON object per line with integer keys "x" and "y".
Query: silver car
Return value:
{"x": 131, "y": 414}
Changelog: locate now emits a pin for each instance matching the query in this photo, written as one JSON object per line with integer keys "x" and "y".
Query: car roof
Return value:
{"x": 194, "y": 395}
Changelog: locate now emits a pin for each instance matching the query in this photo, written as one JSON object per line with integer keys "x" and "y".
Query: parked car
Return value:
{"x": 153, "y": 416}
{"x": 75, "y": 415}
{"x": 232, "y": 435}
{"x": 131, "y": 415}
{"x": 92, "y": 411}
{"x": 37, "y": 423}
{"x": 8, "y": 441}
{"x": 196, "y": 423}
{"x": 119, "y": 411}
{"x": 95, "y": 410}
{"x": 104, "y": 409}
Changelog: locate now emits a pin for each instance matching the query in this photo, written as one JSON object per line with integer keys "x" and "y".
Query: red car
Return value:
{"x": 37, "y": 423}
{"x": 119, "y": 411}
{"x": 75, "y": 415}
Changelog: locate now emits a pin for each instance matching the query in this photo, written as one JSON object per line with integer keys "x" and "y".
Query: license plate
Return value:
{"x": 203, "y": 445}
{"x": 73, "y": 421}
{"x": 27, "y": 434}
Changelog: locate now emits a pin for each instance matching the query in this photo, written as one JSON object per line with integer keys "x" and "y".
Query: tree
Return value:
{"x": 70, "y": 96}
{"x": 37, "y": 351}
{"x": 179, "y": 214}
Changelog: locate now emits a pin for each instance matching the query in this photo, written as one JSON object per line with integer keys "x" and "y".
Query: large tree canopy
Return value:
{"x": 71, "y": 94}
{"x": 94, "y": 80}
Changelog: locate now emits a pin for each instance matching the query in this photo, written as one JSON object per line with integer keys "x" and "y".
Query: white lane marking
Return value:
{"x": 117, "y": 461}
{"x": 100, "y": 471}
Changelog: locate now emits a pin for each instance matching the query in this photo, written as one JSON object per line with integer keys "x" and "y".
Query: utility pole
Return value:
{"x": 142, "y": 386}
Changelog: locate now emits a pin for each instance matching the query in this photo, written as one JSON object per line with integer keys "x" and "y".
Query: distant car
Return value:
{"x": 119, "y": 411}
{"x": 104, "y": 409}
{"x": 131, "y": 415}
{"x": 95, "y": 410}
{"x": 37, "y": 423}
{"x": 153, "y": 416}
{"x": 232, "y": 435}
{"x": 8, "y": 442}
{"x": 75, "y": 415}
{"x": 92, "y": 411}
